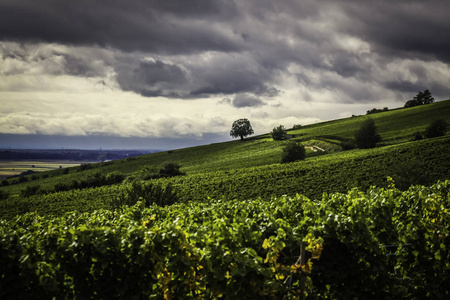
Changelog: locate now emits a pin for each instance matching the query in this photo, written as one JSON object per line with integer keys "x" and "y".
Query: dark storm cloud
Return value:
{"x": 402, "y": 28}
{"x": 202, "y": 48}
{"x": 152, "y": 78}
{"x": 155, "y": 26}
{"x": 51, "y": 60}
{"x": 246, "y": 100}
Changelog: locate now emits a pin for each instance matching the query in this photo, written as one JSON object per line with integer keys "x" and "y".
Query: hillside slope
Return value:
{"x": 249, "y": 169}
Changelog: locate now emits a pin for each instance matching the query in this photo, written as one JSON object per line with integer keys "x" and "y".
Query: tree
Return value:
{"x": 241, "y": 128}
{"x": 293, "y": 151}
{"x": 435, "y": 129}
{"x": 366, "y": 137}
{"x": 420, "y": 99}
{"x": 278, "y": 133}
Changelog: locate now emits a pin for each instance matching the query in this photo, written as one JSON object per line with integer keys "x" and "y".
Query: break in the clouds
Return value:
{"x": 173, "y": 68}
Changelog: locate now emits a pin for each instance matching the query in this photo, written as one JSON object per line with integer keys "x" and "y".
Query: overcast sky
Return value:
{"x": 170, "y": 74}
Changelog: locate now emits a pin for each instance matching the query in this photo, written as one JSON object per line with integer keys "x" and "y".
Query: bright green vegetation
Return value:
{"x": 420, "y": 162}
{"x": 208, "y": 238}
{"x": 382, "y": 244}
{"x": 395, "y": 127}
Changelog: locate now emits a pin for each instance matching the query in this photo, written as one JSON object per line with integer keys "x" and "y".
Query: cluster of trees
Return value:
{"x": 292, "y": 151}
{"x": 365, "y": 137}
{"x": 376, "y": 110}
{"x": 420, "y": 99}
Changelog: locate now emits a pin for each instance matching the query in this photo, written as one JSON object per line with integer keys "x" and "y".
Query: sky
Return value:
{"x": 148, "y": 74}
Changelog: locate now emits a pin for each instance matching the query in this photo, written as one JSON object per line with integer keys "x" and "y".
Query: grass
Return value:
{"x": 395, "y": 127}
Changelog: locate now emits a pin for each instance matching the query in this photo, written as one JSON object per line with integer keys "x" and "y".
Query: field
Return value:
{"x": 341, "y": 224}
{"x": 9, "y": 168}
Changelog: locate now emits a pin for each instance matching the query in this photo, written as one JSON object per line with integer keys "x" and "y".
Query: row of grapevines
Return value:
{"x": 422, "y": 162}
{"x": 413, "y": 163}
{"x": 379, "y": 244}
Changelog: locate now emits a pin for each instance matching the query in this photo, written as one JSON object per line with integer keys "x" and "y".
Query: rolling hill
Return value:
{"x": 239, "y": 224}
{"x": 251, "y": 168}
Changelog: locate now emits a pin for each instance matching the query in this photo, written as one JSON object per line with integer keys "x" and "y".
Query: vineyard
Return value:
{"x": 379, "y": 244}
{"x": 421, "y": 162}
{"x": 234, "y": 222}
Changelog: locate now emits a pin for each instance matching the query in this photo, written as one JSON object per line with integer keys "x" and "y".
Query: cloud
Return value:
{"x": 152, "y": 78}
{"x": 201, "y": 49}
{"x": 48, "y": 59}
{"x": 247, "y": 100}
{"x": 151, "y": 26}
{"x": 177, "y": 62}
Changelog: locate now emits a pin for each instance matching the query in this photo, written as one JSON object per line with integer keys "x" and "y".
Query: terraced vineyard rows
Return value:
{"x": 383, "y": 244}
{"x": 422, "y": 162}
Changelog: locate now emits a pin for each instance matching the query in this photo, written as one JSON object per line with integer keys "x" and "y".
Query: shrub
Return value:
{"x": 297, "y": 126}
{"x": 30, "y": 190}
{"x": 60, "y": 187}
{"x": 435, "y": 129}
{"x": 148, "y": 193}
{"x": 83, "y": 167}
{"x": 114, "y": 177}
{"x": 3, "y": 195}
{"x": 366, "y": 137}
{"x": 293, "y": 151}
{"x": 22, "y": 179}
{"x": 170, "y": 170}
{"x": 278, "y": 133}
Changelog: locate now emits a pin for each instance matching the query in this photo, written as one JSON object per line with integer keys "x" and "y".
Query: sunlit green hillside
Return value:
{"x": 395, "y": 127}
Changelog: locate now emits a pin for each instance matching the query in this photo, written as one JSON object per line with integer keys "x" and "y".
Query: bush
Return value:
{"x": 170, "y": 170}
{"x": 22, "y": 179}
{"x": 83, "y": 167}
{"x": 3, "y": 195}
{"x": 435, "y": 129}
{"x": 148, "y": 193}
{"x": 293, "y": 151}
{"x": 60, "y": 187}
{"x": 366, "y": 137}
{"x": 30, "y": 190}
{"x": 297, "y": 126}
{"x": 278, "y": 133}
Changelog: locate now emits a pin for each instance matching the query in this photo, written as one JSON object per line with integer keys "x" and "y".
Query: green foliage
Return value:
{"x": 296, "y": 126}
{"x": 30, "y": 190}
{"x": 376, "y": 110}
{"x": 148, "y": 193}
{"x": 170, "y": 170}
{"x": 379, "y": 244}
{"x": 421, "y": 99}
{"x": 241, "y": 128}
{"x": 293, "y": 151}
{"x": 278, "y": 133}
{"x": 417, "y": 136}
{"x": 3, "y": 195}
{"x": 336, "y": 172}
{"x": 366, "y": 136}
{"x": 436, "y": 128}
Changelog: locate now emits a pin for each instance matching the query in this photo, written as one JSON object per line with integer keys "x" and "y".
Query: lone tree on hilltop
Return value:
{"x": 278, "y": 133}
{"x": 366, "y": 137}
{"x": 420, "y": 99}
{"x": 241, "y": 128}
{"x": 293, "y": 151}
